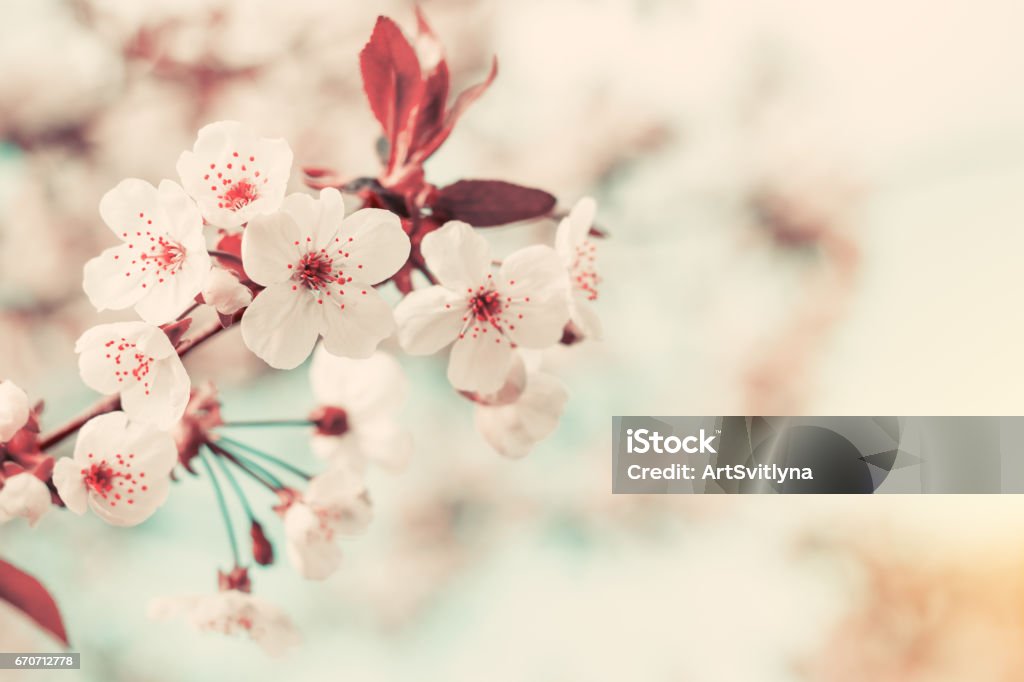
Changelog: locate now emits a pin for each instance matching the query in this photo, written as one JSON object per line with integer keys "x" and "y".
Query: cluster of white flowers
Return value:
{"x": 302, "y": 271}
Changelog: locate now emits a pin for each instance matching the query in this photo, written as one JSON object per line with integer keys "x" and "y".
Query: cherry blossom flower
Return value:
{"x": 14, "y": 410}
{"x": 578, "y": 255}
{"x": 514, "y": 428}
{"x": 26, "y": 496}
{"x": 318, "y": 268}
{"x": 232, "y": 612}
{"x": 362, "y": 398}
{"x": 162, "y": 262}
{"x": 234, "y": 175}
{"x": 335, "y": 503}
{"x": 485, "y": 316}
{"x": 137, "y": 361}
{"x": 225, "y": 293}
{"x": 120, "y": 470}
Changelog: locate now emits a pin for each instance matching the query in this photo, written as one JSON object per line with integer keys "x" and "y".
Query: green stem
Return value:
{"x": 237, "y": 487}
{"x": 268, "y": 422}
{"x": 253, "y": 469}
{"x": 223, "y": 508}
{"x": 270, "y": 458}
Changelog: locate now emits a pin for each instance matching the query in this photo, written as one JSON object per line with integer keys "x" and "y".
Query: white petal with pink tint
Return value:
{"x": 235, "y": 175}
{"x": 374, "y": 245}
{"x": 479, "y": 361}
{"x": 514, "y": 429}
{"x": 533, "y": 284}
{"x": 458, "y": 255}
{"x": 162, "y": 262}
{"x": 271, "y": 245}
{"x": 579, "y": 256}
{"x": 120, "y": 470}
{"x": 281, "y": 326}
{"x": 137, "y": 361}
{"x": 355, "y": 328}
{"x": 314, "y": 264}
{"x": 225, "y": 293}
{"x": 526, "y": 304}
{"x": 335, "y": 503}
{"x": 430, "y": 319}
{"x": 14, "y": 410}
{"x": 231, "y": 613}
{"x": 26, "y": 496}
{"x": 370, "y": 391}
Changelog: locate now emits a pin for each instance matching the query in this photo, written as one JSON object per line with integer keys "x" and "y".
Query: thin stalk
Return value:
{"x": 268, "y": 457}
{"x": 223, "y": 508}
{"x": 237, "y": 487}
{"x": 253, "y": 469}
{"x": 267, "y": 422}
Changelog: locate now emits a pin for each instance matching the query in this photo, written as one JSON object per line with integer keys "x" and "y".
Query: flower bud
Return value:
{"x": 14, "y": 410}
{"x": 225, "y": 293}
{"x": 262, "y": 550}
{"x": 24, "y": 495}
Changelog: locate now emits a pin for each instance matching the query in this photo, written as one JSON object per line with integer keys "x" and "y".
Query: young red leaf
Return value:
{"x": 391, "y": 77}
{"x": 28, "y": 595}
{"x": 462, "y": 103}
{"x": 486, "y": 203}
{"x": 430, "y": 116}
{"x": 434, "y": 100}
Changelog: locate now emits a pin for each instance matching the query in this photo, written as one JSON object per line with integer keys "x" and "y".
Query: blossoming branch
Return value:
{"x": 299, "y": 275}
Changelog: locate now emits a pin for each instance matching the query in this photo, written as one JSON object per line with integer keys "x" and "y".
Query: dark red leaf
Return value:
{"x": 391, "y": 77}
{"x": 486, "y": 203}
{"x": 462, "y": 103}
{"x": 28, "y": 595}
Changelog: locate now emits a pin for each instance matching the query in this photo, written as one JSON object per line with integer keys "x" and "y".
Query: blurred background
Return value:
{"x": 814, "y": 207}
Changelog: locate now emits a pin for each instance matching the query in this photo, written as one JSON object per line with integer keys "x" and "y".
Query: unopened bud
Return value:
{"x": 262, "y": 550}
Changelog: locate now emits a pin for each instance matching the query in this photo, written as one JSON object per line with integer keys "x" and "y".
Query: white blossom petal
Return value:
{"x": 429, "y": 319}
{"x": 314, "y": 554}
{"x": 362, "y": 387}
{"x": 314, "y": 281}
{"x": 70, "y": 485}
{"x": 386, "y": 443}
{"x": 534, "y": 284}
{"x": 583, "y": 316}
{"x": 163, "y": 261}
{"x": 120, "y": 470}
{"x": 281, "y": 325}
{"x": 457, "y": 255}
{"x": 356, "y": 326}
{"x": 14, "y": 410}
{"x": 138, "y": 361}
{"x": 514, "y": 429}
{"x": 372, "y": 245}
{"x": 232, "y": 612}
{"x": 479, "y": 362}
{"x": 320, "y": 217}
{"x": 270, "y": 244}
{"x": 26, "y": 496}
{"x": 225, "y": 293}
{"x": 234, "y": 175}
